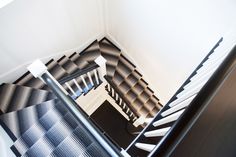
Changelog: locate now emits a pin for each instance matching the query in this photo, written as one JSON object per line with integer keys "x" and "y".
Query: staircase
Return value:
{"x": 44, "y": 120}
{"x": 152, "y": 141}
{"x": 31, "y": 112}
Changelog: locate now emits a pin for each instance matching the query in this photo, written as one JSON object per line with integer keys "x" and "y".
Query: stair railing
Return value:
{"x": 131, "y": 148}
{"x": 195, "y": 108}
{"x": 83, "y": 80}
{"x": 39, "y": 70}
{"x": 120, "y": 100}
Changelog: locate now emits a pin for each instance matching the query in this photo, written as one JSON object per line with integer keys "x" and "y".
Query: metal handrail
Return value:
{"x": 187, "y": 118}
{"x": 78, "y": 113}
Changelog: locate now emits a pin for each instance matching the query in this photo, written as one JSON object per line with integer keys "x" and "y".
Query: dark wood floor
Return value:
{"x": 114, "y": 124}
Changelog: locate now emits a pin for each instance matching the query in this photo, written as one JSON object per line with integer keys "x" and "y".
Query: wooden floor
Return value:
{"x": 114, "y": 124}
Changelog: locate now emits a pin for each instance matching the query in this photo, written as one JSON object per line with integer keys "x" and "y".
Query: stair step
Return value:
{"x": 145, "y": 147}
{"x": 124, "y": 87}
{"x": 220, "y": 56}
{"x": 26, "y": 78}
{"x": 150, "y": 105}
{"x": 156, "y": 133}
{"x": 190, "y": 91}
{"x": 18, "y": 122}
{"x": 131, "y": 96}
{"x": 15, "y": 97}
{"x": 56, "y": 132}
{"x": 168, "y": 119}
{"x": 199, "y": 76}
{"x": 131, "y": 80}
{"x": 111, "y": 60}
{"x": 123, "y": 69}
{"x": 144, "y": 97}
{"x": 107, "y": 48}
{"x": 117, "y": 79}
{"x": 137, "y": 104}
{"x": 91, "y": 52}
{"x": 224, "y": 47}
{"x": 110, "y": 70}
{"x": 191, "y": 84}
{"x": 154, "y": 111}
{"x": 205, "y": 69}
{"x": 144, "y": 112}
{"x": 29, "y": 81}
{"x": 52, "y": 115}
{"x": 179, "y": 106}
{"x": 137, "y": 89}
{"x": 80, "y": 61}
{"x": 127, "y": 63}
{"x": 67, "y": 64}
{"x": 193, "y": 91}
{"x": 56, "y": 70}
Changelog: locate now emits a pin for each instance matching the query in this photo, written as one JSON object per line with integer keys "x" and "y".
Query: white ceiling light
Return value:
{"x": 4, "y": 2}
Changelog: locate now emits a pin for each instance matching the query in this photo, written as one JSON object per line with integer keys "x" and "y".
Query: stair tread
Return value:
{"x": 67, "y": 64}
{"x": 91, "y": 52}
{"x": 145, "y": 146}
{"x": 15, "y": 97}
{"x": 62, "y": 132}
{"x": 20, "y": 121}
{"x": 157, "y": 132}
{"x": 79, "y": 60}
{"x": 168, "y": 119}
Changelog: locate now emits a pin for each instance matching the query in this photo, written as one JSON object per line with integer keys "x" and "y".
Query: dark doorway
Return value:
{"x": 114, "y": 124}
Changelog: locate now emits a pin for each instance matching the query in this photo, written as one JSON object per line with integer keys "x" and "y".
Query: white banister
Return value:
{"x": 101, "y": 61}
{"x": 90, "y": 78}
{"x": 83, "y": 80}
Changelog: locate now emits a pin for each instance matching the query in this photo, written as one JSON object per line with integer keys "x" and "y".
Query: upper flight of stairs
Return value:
{"x": 155, "y": 134}
{"x": 120, "y": 71}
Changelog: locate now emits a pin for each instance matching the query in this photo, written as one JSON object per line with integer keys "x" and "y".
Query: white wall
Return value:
{"x": 5, "y": 144}
{"x": 168, "y": 39}
{"x": 31, "y": 29}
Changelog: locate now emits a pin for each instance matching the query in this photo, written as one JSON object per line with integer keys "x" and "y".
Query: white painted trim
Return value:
{"x": 145, "y": 146}
{"x": 157, "y": 133}
{"x": 170, "y": 118}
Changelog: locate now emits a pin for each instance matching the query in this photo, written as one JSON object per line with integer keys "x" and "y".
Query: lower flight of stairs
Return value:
{"x": 49, "y": 129}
